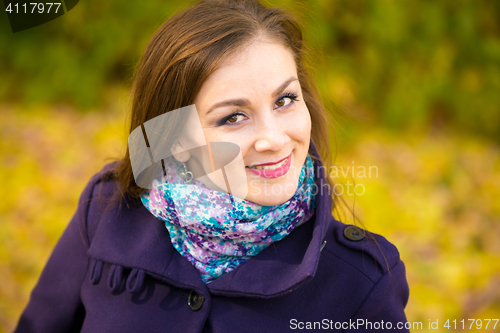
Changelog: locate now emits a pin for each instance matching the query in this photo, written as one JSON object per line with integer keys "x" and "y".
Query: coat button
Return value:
{"x": 354, "y": 233}
{"x": 195, "y": 301}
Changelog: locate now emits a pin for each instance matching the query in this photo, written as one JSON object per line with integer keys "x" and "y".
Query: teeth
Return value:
{"x": 270, "y": 167}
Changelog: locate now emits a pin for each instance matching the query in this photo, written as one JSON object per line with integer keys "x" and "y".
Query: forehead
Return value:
{"x": 259, "y": 66}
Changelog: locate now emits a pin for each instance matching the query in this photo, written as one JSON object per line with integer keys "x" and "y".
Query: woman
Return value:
{"x": 168, "y": 239}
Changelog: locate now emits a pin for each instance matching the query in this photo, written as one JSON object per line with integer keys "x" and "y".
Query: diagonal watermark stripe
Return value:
{"x": 219, "y": 165}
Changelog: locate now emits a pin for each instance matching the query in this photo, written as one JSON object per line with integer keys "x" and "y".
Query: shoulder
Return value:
{"x": 372, "y": 266}
{"x": 104, "y": 175}
{"x": 90, "y": 189}
{"x": 100, "y": 188}
{"x": 367, "y": 253}
{"x": 96, "y": 195}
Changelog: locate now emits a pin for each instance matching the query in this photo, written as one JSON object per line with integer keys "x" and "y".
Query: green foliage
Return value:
{"x": 75, "y": 58}
{"x": 399, "y": 64}
{"x": 414, "y": 64}
{"x": 415, "y": 88}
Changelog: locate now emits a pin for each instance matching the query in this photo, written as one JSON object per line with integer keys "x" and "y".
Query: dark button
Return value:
{"x": 354, "y": 233}
{"x": 195, "y": 301}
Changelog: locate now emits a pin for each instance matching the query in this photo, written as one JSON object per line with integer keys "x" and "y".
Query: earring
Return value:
{"x": 186, "y": 175}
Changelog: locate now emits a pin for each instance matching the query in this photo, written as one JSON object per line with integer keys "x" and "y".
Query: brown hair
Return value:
{"x": 189, "y": 47}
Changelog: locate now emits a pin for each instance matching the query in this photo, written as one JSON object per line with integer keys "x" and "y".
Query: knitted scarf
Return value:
{"x": 216, "y": 231}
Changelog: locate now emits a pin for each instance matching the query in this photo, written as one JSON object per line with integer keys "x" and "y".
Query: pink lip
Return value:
{"x": 271, "y": 163}
{"x": 273, "y": 173}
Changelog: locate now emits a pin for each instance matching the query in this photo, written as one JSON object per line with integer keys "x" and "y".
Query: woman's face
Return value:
{"x": 254, "y": 100}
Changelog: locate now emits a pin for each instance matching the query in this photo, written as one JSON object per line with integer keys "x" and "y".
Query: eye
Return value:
{"x": 232, "y": 119}
{"x": 285, "y": 100}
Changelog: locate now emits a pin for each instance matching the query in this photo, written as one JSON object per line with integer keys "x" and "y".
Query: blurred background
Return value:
{"x": 413, "y": 87}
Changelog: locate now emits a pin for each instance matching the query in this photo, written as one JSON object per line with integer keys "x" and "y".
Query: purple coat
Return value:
{"x": 115, "y": 270}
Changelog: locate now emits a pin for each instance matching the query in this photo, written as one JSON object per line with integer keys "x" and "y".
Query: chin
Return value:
{"x": 268, "y": 194}
{"x": 269, "y": 200}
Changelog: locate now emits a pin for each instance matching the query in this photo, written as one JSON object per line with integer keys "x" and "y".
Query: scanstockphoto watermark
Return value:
{"x": 350, "y": 171}
{"x": 354, "y": 186}
{"x": 359, "y": 324}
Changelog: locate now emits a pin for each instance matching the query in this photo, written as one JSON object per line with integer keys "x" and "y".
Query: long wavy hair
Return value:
{"x": 191, "y": 45}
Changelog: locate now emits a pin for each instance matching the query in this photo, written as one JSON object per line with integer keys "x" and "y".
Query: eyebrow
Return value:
{"x": 246, "y": 102}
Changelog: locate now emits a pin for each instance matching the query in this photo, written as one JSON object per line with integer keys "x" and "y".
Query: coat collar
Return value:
{"x": 130, "y": 236}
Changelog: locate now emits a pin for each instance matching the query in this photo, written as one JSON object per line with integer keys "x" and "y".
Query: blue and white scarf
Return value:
{"x": 216, "y": 231}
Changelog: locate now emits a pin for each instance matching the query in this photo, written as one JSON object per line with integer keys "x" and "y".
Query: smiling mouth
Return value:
{"x": 270, "y": 167}
{"x": 279, "y": 164}
{"x": 268, "y": 170}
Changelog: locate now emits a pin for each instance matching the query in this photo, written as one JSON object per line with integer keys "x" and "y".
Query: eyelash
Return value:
{"x": 293, "y": 97}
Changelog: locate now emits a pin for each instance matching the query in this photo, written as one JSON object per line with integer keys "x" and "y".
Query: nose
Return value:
{"x": 270, "y": 136}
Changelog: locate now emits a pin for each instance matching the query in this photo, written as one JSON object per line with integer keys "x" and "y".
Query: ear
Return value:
{"x": 179, "y": 153}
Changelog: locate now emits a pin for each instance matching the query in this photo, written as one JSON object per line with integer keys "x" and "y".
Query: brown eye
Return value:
{"x": 233, "y": 119}
{"x": 285, "y": 100}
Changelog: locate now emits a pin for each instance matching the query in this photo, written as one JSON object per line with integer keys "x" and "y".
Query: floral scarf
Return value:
{"x": 216, "y": 231}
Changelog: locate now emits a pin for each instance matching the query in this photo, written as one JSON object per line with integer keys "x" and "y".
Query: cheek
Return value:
{"x": 241, "y": 138}
{"x": 299, "y": 126}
